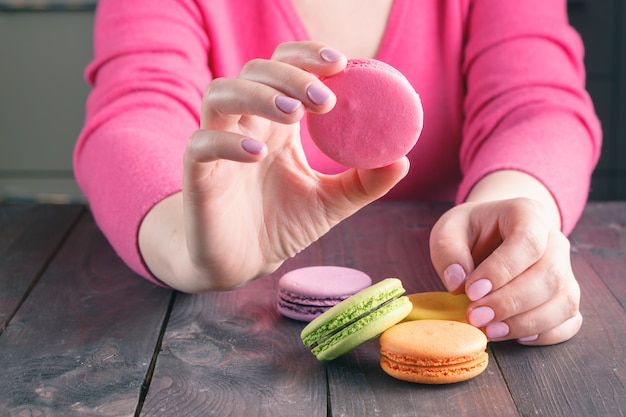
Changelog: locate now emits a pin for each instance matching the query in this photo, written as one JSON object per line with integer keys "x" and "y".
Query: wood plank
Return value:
{"x": 386, "y": 240}
{"x": 585, "y": 376}
{"x": 232, "y": 354}
{"x": 217, "y": 358}
{"x": 359, "y": 387}
{"x": 397, "y": 245}
{"x": 600, "y": 238}
{"x": 83, "y": 341}
{"x": 29, "y": 235}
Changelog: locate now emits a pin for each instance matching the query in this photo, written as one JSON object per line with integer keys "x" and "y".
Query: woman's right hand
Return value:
{"x": 249, "y": 198}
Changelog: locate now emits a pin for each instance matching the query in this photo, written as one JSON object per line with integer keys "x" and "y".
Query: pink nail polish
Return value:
{"x": 252, "y": 146}
{"x": 528, "y": 339}
{"x": 287, "y": 104}
{"x": 453, "y": 277}
{"x": 330, "y": 55}
{"x": 480, "y": 316}
{"x": 478, "y": 289}
{"x": 497, "y": 330}
{"x": 318, "y": 94}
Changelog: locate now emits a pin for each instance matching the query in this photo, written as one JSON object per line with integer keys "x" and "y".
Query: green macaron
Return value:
{"x": 357, "y": 319}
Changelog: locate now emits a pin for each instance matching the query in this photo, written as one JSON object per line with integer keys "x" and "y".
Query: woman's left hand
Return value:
{"x": 514, "y": 265}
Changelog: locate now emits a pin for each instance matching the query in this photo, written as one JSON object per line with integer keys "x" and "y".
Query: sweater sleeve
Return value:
{"x": 148, "y": 74}
{"x": 526, "y": 105}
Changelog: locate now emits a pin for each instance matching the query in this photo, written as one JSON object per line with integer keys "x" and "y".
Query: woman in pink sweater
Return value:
{"x": 200, "y": 172}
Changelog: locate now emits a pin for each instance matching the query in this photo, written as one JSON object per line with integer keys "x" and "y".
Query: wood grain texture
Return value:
{"x": 232, "y": 354}
{"x": 585, "y": 376}
{"x": 392, "y": 240}
{"x": 29, "y": 235}
{"x": 386, "y": 240}
{"x": 359, "y": 387}
{"x": 582, "y": 377}
{"x": 600, "y": 238}
{"x": 82, "y": 342}
{"x": 217, "y": 358}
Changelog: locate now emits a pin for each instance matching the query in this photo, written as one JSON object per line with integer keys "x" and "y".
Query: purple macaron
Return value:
{"x": 305, "y": 293}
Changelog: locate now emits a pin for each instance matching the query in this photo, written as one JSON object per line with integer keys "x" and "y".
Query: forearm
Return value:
{"x": 507, "y": 184}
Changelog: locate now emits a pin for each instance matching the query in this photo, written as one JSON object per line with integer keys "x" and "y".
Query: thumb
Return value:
{"x": 353, "y": 189}
{"x": 375, "y": 183}
{"x": 450, "y": 249}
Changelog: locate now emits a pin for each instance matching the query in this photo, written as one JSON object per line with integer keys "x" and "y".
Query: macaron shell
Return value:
{"x": 438, "y": 305}
{"x": 323, "y": 282}
{"x": 377, "y": 119}
{"x": 433, "y": 351}
{"x": 300, "y": 312}
{"x": 351, "y": 308}
{"x": 305, "y": 293}
{"x": 363, "y": 330}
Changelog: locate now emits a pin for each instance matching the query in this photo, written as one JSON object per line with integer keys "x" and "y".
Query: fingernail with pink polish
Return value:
{"x": 252, "y": 146}
{"x": 330, "y": 55}
{"x": 497, "y": 330}
{"x": 287, "y": 104}
{"x": 480, "y": 316}
{"x": 528, "y": 339}
{"x": 478, "y": 289}
{"x": 453, "y": 277}
{"x": 318, "y": 94}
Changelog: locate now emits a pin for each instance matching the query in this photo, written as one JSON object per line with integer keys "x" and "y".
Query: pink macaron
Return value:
{"x": 377, "y": 119}
{"x": 305, "y": 293}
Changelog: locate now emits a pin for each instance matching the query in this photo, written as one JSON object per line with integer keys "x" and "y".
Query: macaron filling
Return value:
{"x": 452, "y": 372}
{"x": 288, "y": 297}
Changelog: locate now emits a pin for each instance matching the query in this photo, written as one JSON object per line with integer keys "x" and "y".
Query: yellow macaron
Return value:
{"x": 438, "y": 305}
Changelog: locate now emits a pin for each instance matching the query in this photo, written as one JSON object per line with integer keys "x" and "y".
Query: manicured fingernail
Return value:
{"x": 287, "y": 104}
{"x": 478, "y": 289}
{"x": 497, "y": 330}
{"x": 252, "y": 146}
{"x": 480, "y": 316}
{"x": 453, "y": 277}
{"x": 330, "y": 55}
{"x": 528, "y": 339}
{"x": 318, "y": 94}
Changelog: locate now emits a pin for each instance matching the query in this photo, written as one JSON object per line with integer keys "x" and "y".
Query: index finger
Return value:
{"x": 524, "y": 240}
{"x": 314, "y": 57}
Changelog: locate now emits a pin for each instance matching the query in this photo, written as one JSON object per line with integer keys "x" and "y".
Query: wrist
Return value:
{"x": 509, "y": 184}
{"x": 162, "y": 244}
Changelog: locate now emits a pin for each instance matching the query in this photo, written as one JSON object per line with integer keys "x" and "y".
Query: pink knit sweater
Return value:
{"x": 502, "y": 85}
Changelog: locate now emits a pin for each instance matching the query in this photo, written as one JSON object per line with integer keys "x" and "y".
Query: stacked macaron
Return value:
{"x": 357, "y": 319}
{"x": 423, "y": 337}
{"x": 305, "y": 293}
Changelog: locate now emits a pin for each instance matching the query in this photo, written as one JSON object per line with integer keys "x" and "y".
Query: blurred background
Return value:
{"x": 46, "y": 44}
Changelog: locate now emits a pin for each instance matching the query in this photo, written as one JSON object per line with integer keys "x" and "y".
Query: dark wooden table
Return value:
{"x": 81, "y": 335}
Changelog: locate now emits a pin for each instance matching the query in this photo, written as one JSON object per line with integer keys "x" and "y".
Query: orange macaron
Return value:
{"x": 433, "y": 351}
